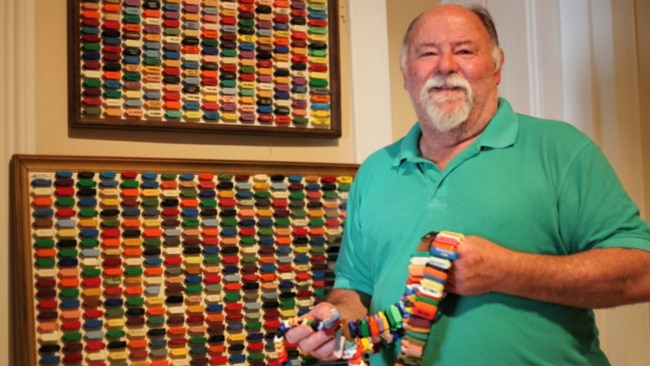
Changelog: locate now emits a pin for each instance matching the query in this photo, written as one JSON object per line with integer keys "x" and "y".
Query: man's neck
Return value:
{"x": 442, "y": 147}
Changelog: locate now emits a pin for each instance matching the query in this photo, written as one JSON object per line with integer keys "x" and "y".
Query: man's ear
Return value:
{"x": 404, "y": 83}
{"x": 499, "y": 67}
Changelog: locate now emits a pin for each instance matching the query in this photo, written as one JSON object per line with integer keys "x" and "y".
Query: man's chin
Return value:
{"x": 447, "y": 119}
{"x": 448, "y": 126}
{"x": 449, "y": 103}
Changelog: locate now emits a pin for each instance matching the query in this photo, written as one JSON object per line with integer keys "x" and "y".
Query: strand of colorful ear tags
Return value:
{"x": 410, "y": 319}
{"x": 425, "y": 290}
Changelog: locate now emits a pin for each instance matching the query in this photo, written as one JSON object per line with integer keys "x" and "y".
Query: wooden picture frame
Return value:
{"x": 205, "y": 66}
{"x": 107, "y": 251}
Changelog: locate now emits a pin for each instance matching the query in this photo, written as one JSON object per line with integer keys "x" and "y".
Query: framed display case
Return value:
{"x": 167, "y": 262}
{"x": 247, "y": 67}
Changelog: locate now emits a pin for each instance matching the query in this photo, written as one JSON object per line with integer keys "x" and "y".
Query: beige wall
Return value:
{"x": 399, "y": 18}
{"x": 643, "y": 43}
{"x": 53, "y": 136}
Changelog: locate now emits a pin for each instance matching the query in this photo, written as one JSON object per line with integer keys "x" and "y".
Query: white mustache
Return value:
{"x": 448, "y": 82}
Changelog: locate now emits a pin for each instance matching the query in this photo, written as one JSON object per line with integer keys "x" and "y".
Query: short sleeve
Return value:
{"x": 595, "y": 210}
{"x": 352, "y": 269}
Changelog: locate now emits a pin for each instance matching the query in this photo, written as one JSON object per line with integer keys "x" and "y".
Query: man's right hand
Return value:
{"x": 318, "y": 344}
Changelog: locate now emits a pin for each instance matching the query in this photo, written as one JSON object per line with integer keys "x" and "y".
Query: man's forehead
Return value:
{"x": 453, "y": 27}
{"x": 449, "y": 19}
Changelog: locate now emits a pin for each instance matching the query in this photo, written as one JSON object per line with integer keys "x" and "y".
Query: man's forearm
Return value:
{"x": 598, "y": 278}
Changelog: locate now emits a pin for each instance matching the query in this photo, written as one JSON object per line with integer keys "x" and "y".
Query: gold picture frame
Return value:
{"x": 168, "y": 260}
{"x": 245, "y": 67}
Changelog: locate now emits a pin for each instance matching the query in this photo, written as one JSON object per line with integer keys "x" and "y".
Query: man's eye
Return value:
{"x": 464, "y": 52}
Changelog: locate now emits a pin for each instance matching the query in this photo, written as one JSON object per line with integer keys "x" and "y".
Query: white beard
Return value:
{"x": 438, "y": 106}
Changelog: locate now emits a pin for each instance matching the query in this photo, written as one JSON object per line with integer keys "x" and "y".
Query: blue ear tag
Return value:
{"x": 442, "y": 253}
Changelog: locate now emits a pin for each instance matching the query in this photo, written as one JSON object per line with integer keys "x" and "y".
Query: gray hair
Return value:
{"x": 485, "y": 17}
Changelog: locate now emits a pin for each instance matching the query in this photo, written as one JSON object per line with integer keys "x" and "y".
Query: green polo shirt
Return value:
{"x": 528, "y": 184}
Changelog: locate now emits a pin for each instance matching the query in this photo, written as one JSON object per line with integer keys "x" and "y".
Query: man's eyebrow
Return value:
{"x": 426, "y": 44}
{"x": 463, "y": 43}
{"x": 454, "y": 44}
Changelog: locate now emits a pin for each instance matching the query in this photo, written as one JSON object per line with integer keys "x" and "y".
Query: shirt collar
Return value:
{"x": 500, "y": 133}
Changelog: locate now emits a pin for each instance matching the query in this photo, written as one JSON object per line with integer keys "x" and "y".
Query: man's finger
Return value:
{"x": 296, "y": 334}
{"x": 323, "y": 352}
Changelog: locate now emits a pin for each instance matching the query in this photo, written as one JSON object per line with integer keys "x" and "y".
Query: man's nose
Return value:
{"x": 447, "y": 63}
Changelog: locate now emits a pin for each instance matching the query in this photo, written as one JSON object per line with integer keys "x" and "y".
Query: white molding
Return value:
{"x": 510, "y": 18}
{"x": 577, "y": 64}
{"x": 17, "y": 110}
{"x": 548, "y": 66}
{"x": 535, "y": 81}
{"x": 17, "y": 65}
{"x": 604, "y": 86}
